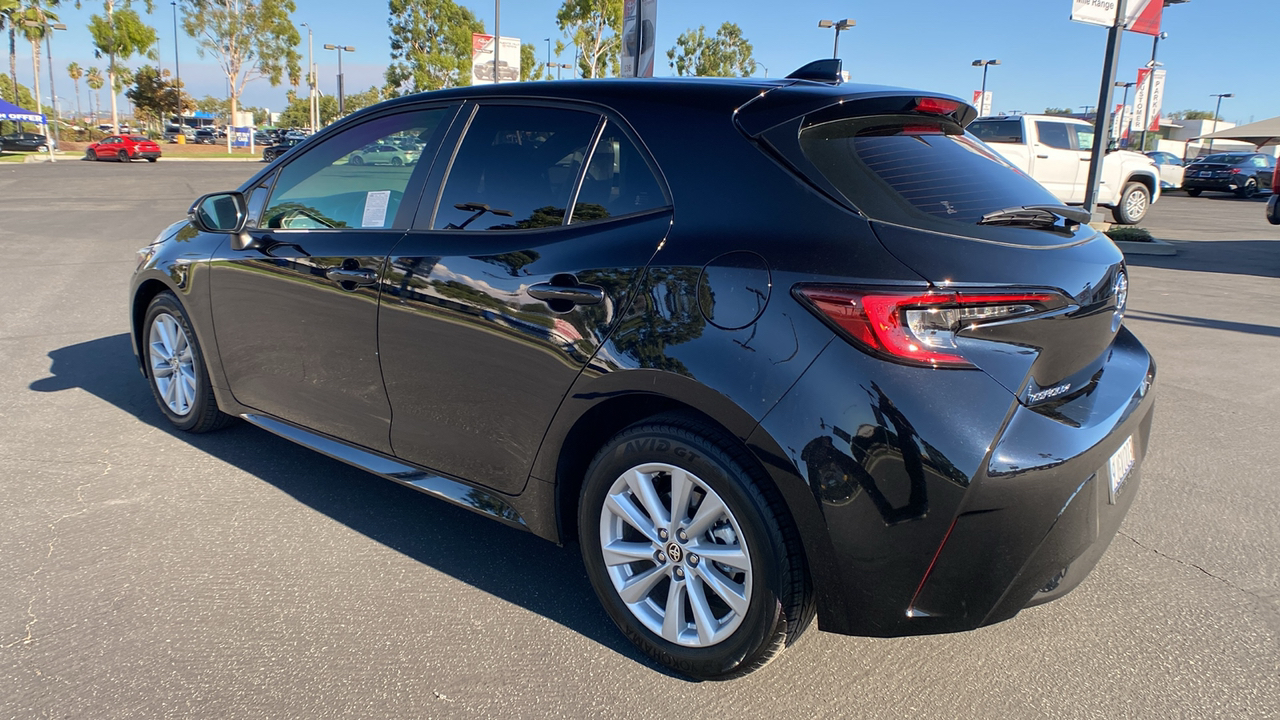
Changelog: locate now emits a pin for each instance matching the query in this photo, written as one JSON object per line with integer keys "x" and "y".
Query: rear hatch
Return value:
{"x": 1019, "y": 287}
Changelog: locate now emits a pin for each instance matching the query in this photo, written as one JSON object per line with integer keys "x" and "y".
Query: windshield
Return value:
{"x": 900, "y": 168}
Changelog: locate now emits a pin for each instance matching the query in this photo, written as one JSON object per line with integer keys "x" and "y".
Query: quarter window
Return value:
{"x": 617, "y": 181}
{"x": 516, "y": 168}
{"x": 355, "y": 179}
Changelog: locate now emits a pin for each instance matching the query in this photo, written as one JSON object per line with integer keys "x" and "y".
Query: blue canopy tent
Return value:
{"x": 13, "y": 113}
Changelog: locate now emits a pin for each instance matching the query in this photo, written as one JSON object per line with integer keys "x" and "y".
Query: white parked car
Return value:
{"x": 1055, "y": 150}
{"x": 1171, "y": 169}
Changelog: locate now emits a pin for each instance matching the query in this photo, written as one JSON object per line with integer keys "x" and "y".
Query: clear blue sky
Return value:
{"x": 1214, "y": 46}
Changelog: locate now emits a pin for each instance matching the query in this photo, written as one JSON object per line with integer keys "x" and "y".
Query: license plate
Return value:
{"x": 1119, "y": 465}
{"x": 1206, "y": 174}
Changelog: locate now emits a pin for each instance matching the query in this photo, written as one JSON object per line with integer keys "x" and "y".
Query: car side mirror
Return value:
{"x": 223, "y": 212}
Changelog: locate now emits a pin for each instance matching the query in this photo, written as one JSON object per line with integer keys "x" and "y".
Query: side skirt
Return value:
{"x": 447, "y": 489}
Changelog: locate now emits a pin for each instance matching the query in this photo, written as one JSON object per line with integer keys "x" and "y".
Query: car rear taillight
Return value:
{"x": 937, "y": 106}
{"x": 917, "y": 328}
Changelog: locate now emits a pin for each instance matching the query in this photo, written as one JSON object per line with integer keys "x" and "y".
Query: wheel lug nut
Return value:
{"x": 683, "y": 538}
{"x": 661, "y": 557}
{"x": 693, "y": 559}
{"x": 662, "y": 534}
{"x": 679, "y": 572}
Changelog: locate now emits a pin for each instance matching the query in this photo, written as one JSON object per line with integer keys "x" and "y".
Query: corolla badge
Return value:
{"x": 1121, "y": 292}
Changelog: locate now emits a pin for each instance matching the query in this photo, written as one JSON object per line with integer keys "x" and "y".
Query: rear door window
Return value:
{"x": 1053, "y": 134}
{"x": 899, "y": 168}
{"x": 618, "y": 180}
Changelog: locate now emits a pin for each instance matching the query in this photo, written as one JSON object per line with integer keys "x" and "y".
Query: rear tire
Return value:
{"x": 1133, "y": 204}
{"x": 176, "y": 368}
{"x": 724, "y": 598}
{"x": 1194, "y": 192}
{"x": 1249, "y": 190}
{"x": 123, "y": 156}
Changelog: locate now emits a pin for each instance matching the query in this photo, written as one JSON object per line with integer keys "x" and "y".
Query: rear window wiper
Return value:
{"x": 1037, "y": 216}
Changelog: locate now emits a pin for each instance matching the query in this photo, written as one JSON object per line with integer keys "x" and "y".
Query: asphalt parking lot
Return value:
{"x": 234, "y": 575}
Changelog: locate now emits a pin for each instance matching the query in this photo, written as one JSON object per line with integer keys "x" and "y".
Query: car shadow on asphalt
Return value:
{"x": 528, "y": 571}
{"x": 1260, "y": 258}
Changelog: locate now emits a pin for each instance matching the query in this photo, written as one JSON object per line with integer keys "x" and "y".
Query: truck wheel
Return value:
{"x": 1133, "y": 204}
{"x": 1193, "y": 192}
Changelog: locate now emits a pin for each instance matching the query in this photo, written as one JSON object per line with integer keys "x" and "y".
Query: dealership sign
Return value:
{"x": 1141, "y": 16}
{"x": 639, "y": 28}
{"x": 483, "y": 68}
{"x": 1153, "y": 85}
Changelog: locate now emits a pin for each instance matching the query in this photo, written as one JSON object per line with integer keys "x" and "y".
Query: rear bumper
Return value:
{"x": 1230, "y": 184}
{"x": 942, "y": 504}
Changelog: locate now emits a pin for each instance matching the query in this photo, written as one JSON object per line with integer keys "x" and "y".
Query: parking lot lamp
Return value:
{"x": 342, "y": 106}
{"x": 1124, "y": 103}
{"x": 838, "y": 25}
{"x": 177, "y": 69}
{"x": 982, "y": 99}
{"x": 1215, "y": 115}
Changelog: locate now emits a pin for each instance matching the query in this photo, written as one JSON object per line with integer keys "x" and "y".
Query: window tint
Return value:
{"x": 997, "y": 131}
{"x": 618, "y": 181}
{"x": 1259, "y": 161}
{"x": 516, "y": 168}
{"x": 1053, "y": 134}
{"x": 340, "y": 184}
{"x": 890, "y": 166}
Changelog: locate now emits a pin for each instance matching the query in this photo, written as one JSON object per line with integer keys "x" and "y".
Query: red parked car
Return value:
{"x": 123, "y": 148}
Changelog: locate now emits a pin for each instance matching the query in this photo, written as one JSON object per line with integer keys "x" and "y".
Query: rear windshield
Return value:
{"x": 902, "y": 168}
{"x": 135, "y": 138}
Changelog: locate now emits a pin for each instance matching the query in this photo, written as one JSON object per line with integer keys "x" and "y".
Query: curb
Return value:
{"x": 77, "y": 158}
{"x": 1152, "y": 247}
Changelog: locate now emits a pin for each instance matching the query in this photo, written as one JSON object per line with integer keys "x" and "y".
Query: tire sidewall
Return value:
{"x": 1122, "y": 208}
{"x": 166, "y": 303}
{"x": 661, "y": 444}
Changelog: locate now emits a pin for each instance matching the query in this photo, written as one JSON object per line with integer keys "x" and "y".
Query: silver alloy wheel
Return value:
{"x": 1135, "y": 205}
{"x": 172, "y": 364}
{"x": 676, "y": 555}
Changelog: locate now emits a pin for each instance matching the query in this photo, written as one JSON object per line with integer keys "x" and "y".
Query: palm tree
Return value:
{"x": 93, "y": 78}
{"x": 35, "y": 19}
{"x": 9, "y": 10}
{"x": 76, "y": 73}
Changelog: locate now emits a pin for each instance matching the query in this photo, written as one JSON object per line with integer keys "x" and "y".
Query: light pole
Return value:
{"x": 177, "y": 69}
{"x": 548, "y": 56}
{"x": 559, "y": 67}
{"x": 982, "y": 99}
{"x": 1215, "y": 115}
{"x": 342, "y": 106}
{"x": 1087, "y": 108}
{"x": 838, "y": 25}
{"x": 761, "y": 65}
{"x": 1150, "y": 85}
{"x": 1124, "y": 107}
{"x": 311, "y": 83}
{"x": 497, "y": 37}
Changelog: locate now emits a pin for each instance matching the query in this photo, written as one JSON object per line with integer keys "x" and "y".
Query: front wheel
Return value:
{"x": 89, "y": 155}
{"x": 176, "y": 369}
{"x": 693, "y": 556}
{"x": 356, "y": 160}
{"x": 1133, "y": 204}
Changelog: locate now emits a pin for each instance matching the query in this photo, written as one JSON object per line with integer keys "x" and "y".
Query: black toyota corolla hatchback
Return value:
{"x": 767, "y": 349}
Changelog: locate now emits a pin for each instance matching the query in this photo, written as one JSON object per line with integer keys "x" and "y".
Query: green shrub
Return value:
{"x": 1129, "y": 233}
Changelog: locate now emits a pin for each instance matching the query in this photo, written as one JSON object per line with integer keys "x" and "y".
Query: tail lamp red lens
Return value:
{"x": 917, "y": 328}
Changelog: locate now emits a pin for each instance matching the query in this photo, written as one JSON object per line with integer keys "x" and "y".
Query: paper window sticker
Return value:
{"x": 375, "y": 208}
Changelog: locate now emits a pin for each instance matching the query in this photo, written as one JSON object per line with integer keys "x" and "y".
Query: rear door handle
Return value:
{"x": 564, "y": 292}
{"x": 358, "y": 276}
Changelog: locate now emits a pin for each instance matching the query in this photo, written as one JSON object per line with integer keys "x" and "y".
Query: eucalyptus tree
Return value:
{"x": 119, "y": 34}
{"x": 725, "y": 54}
{"x": 430, "y": 45}
{"x": 250, "y": 39}
{"x": 595, "y": 28}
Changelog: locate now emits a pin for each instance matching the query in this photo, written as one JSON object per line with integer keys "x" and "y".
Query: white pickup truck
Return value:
{"x": 1055, "y": 150}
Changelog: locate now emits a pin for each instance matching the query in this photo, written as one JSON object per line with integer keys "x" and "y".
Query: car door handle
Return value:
{"x": 576, "y": 294}
{"x": 1043, "y": 157}
{"x": 359, "y": 276}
